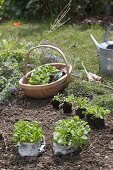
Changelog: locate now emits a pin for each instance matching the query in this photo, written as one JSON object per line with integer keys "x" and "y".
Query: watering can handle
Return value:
{"x": 107, "y": 32}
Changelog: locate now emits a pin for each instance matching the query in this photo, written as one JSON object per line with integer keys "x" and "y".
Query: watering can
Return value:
{"x": 105, "y": 51}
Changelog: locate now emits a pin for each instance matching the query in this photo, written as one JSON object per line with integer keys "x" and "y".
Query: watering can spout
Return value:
{"x": 95, "y": 42}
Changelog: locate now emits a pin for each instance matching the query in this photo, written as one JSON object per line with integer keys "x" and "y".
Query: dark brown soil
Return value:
{"x": 95, "y": 156}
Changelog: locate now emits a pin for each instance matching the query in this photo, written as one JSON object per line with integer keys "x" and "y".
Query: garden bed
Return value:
{"x": 95, "y": 156}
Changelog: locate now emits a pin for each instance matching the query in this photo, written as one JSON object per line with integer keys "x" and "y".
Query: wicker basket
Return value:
{"x": 46, "y": 90}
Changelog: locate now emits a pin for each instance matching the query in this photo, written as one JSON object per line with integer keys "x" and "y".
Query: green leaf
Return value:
{"x": 25, "y": 131}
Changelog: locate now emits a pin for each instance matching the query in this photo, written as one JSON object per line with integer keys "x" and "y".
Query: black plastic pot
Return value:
{"x": 67, "y": 107}
{"x": 79, "y": 112}
{"x": 89, "y": 119}
{"x": 99, "y": 123}
{"x": 95, "y": 122}
{"x": 55, "y": 104}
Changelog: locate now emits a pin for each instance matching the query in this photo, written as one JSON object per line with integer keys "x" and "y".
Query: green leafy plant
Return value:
{"x": 71, "y": 132}
{"x": 11, "y": 58}
{"x": 57, "y": 101}
{"x": 25, "y": 131}
{"x": 69, "y": 99}
{"x": 97, "y": 111}
{"x": 57, "y": 97}
{"x": 68, "y": 103}
{"x": 42, "y": 75}
{"x": 81, "y": 102}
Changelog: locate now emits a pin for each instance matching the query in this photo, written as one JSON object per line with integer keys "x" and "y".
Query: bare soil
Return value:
{"x": 95, "y": 156}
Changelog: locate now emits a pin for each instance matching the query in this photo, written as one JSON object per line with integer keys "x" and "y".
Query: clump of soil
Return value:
{"x": 95, "y": 156}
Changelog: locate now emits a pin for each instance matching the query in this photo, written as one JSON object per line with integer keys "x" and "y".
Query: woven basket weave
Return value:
{"x": 46, "y": 90}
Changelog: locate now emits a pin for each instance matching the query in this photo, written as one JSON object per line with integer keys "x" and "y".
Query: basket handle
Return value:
{"x": 46, "y": 46}
{"x": 107, "y": 32}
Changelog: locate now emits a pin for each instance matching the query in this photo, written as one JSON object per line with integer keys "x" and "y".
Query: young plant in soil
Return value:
{"x": 67, "y": 104}
{"x": 29, "y": 137}
{"x": 80, "y": 105}
{"x": 95, "y": 116}
{"x": 56, "y": 101}
{"x": 70, "y": 134}
{"x": 43, "y": 75}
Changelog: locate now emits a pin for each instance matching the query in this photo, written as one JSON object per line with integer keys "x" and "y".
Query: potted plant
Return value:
{"x": 29, "y": 138}
{"x": 80, "y": 105}
{"x": 67, "y": 103}
{"x": 57, "y": 100}
{"x": 95, "y": 116}
{"x": 70, "y": 135}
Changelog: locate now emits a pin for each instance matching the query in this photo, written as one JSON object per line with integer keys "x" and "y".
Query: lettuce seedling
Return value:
{"x": 26, "y": 131}
{"x": 71, "y": 132}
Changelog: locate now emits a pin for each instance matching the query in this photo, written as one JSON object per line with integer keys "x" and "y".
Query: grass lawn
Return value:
{"x": 73, "y": 39}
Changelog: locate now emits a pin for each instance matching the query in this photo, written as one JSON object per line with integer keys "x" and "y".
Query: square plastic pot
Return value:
{"x": 31, "y": 149}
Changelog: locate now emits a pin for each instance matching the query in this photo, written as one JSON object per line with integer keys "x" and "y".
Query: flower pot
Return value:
{"x": 55, "y": 104}
{"x": 62, "y": 150}
{"x": 95, "y": 122}
{"x": 31, "y": 149}
{"x": 80, "y": 113}
{"x": 67, "y": 107}
{"x": 90, "y": 120}
{"x": 99, "y": 123}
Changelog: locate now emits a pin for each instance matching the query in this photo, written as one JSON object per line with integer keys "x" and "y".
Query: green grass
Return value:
{"x": 76, "y": 36}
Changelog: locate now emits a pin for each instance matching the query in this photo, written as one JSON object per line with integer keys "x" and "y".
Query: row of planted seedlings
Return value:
{"x": 70, "y": 134}
{"x": 84, "y": 108}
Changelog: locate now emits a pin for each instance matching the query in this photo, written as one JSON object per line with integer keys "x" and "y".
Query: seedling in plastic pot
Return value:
{"x": 56, "y": 101}
{"x": 70, "y": 135}
{"x": 96, "y": 115}
{"x": 80, "y": 105}
{"x": 29, "y": 138}
{"x": 67, "y": 104}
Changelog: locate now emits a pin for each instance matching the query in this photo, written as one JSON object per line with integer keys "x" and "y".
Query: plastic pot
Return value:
{"x": 80, "y": 113}
{"x": 67, "y": 107}
{"x": 62, "y": 150}
{"x": 95, "y": 122}
{"x": 31, "y": 149}
{"x": 55, "y": 104}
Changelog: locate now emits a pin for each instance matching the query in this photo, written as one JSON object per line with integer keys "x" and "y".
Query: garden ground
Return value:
{"x": 95, "y": 156}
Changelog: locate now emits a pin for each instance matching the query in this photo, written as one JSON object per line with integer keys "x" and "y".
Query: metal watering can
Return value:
{"x": 105, "y": 51}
